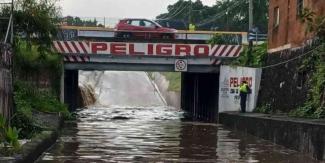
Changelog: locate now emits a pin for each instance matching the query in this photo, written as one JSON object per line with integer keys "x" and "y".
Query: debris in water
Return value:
{"x": 120, "y": 118}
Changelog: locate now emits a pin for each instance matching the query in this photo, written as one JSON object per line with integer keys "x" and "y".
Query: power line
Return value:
{"x": 292, "y": 59}
{"x": 222, "y": 13}
{"x": 218, "y": 15}
{"x": 170, "y": 17}
{"x": 175, "y": 11}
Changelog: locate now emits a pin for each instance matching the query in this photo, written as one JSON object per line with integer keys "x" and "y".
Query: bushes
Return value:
{"x": 265, "y": 109}
{"x": 8, "y": 138}
{"x": 37, "y": 73}
{"x": 37, "y": 66}
{"x": 314, "y": 107}
{"x": 28, "y": 99}
{"x": 258, "y": 58}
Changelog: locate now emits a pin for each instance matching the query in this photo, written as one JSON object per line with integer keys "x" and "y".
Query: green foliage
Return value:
{"x": 174, "y": 79}
{"x": 223, "y": 39}
{"x": 8, "y": 137}
{"x": 32, "y": 65}
{"x": 313, "y": 24}
{"x": 28, "y": 99}
{"x": 258, "y": 58}
{"x": 37, "y": 20}
{"x": 38, "y": 100}
{"x": 2, "y": 128}
{"x": 265, "y": 109}
{"x": 12, "y": 137}
{"x": 23, "y": 117}
{"x": 314, "y": 107}
{"x": 76, "y": 21}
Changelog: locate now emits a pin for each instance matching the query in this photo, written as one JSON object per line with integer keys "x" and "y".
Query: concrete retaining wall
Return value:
{"x": 307, "y": 136}
{"x": 285, "y": 87}
{"x": 172, "y": 98}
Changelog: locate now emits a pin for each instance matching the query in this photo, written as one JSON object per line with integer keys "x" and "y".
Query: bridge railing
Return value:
{"x": 68, "y": 33}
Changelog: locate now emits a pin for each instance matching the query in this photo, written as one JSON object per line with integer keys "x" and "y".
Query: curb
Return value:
{"x": 31, "y": 151}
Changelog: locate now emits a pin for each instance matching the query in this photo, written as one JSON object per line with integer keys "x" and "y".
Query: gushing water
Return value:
{"x": 125, "y": 89}
{"x": 145, "y": 130}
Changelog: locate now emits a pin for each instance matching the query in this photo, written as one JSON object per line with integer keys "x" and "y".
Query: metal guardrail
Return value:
{"x": 70, "y": 32}
{"x": 178, "y": 31}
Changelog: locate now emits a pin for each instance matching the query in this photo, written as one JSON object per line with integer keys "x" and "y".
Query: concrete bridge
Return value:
{"x": 198, "y": 63}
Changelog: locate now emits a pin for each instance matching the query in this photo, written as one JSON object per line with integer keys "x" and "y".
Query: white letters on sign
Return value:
{"x": 230, "y": 79}
{"x": 148, "y": 49}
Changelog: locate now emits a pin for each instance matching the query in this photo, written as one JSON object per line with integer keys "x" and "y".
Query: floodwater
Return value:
{"x": 158, "y": 134}
{"x": 145, "y": 130}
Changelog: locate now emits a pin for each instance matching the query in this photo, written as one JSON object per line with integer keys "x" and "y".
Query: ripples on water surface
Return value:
{"x": 158, "y": 135}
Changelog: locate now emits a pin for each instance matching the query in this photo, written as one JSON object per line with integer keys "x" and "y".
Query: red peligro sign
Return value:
{"x": 147, "y": 49}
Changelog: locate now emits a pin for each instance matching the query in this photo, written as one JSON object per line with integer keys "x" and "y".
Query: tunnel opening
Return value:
{"x": 198, "y": 92}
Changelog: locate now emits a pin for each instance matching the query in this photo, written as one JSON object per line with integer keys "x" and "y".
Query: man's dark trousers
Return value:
{"x": 243, "y": 98}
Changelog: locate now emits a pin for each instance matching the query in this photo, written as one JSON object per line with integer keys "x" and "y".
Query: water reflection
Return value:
{"x": 158, "y": 135}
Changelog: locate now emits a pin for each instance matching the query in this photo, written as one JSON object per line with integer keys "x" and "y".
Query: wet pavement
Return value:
{"x": 157, "y": 134}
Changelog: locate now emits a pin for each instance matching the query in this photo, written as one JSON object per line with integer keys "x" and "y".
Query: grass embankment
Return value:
{"x": 174, "y": 79}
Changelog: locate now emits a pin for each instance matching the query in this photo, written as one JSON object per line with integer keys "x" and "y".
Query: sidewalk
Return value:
{"x": 303, "y": 135}
{"x": 279, "y": 117}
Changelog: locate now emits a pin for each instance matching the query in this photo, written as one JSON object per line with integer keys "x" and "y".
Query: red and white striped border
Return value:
{"x": 216, "y": 62}
{"x": 72, "y": 47}
{"x": 82, "y": 47}
{"x": 226, "y": 50}
{"x": 73, "y": 58}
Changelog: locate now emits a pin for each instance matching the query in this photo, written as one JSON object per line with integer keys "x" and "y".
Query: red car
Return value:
{"x": 143, "y": 28}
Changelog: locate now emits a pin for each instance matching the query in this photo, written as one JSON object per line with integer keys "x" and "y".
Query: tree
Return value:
{"x": 76, "y": 21}
{"x": 36, "y": 21}
{"x": 230, "y": 15}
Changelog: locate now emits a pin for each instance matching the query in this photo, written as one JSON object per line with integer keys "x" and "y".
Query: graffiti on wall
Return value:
{"x": 230, "y": 80}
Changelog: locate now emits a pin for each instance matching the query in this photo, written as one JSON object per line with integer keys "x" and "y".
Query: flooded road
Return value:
{"x": 157, "y": 134}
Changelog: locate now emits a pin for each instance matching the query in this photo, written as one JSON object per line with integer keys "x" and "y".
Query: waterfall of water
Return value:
{"x": 122, "y": 89}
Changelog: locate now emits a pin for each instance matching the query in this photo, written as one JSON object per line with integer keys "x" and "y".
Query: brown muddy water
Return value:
{"x": 158, "y": 134}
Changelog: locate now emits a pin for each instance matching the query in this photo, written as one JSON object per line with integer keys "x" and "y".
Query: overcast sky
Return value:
{"x": 118, "y": 8}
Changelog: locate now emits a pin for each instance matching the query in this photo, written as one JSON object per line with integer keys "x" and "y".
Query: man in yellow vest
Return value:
{"x": 243, "y": 91}
{"x": 191, "y": 27}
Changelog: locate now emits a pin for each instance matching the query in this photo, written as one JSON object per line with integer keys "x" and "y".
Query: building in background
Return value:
{"x": 285, "y": 86}
{"x": 285, "y": 28}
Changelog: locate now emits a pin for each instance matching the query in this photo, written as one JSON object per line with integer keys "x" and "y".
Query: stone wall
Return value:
{"x": 284, "y": 87}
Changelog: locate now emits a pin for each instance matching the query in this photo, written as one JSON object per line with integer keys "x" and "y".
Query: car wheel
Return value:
{"x": 126, "y": 35}
{"x": 166, "y": 36}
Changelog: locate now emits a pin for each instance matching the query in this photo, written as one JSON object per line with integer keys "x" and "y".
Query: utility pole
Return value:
{"x": 190, "y": 13}
{"x": 12, "y": 23}
{"x": 250, "y": 8}
{"x": 250, "y": 26}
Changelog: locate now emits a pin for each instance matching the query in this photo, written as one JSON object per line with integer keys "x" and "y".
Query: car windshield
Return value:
{"x": 157, "y": 24}
{"x": 143, "y": 23}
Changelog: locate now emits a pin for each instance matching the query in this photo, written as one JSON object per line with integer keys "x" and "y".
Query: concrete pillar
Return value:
{"x": 71, "y": 79}
{"x": 62, "y": 85}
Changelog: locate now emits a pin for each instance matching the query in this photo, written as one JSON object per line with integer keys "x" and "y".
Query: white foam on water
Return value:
{"x": 122, "y": 89}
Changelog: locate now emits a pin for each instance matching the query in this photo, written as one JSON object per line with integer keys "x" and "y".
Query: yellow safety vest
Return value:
{"x": 192, "y": 27}
{"x": 243, "y": 88}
